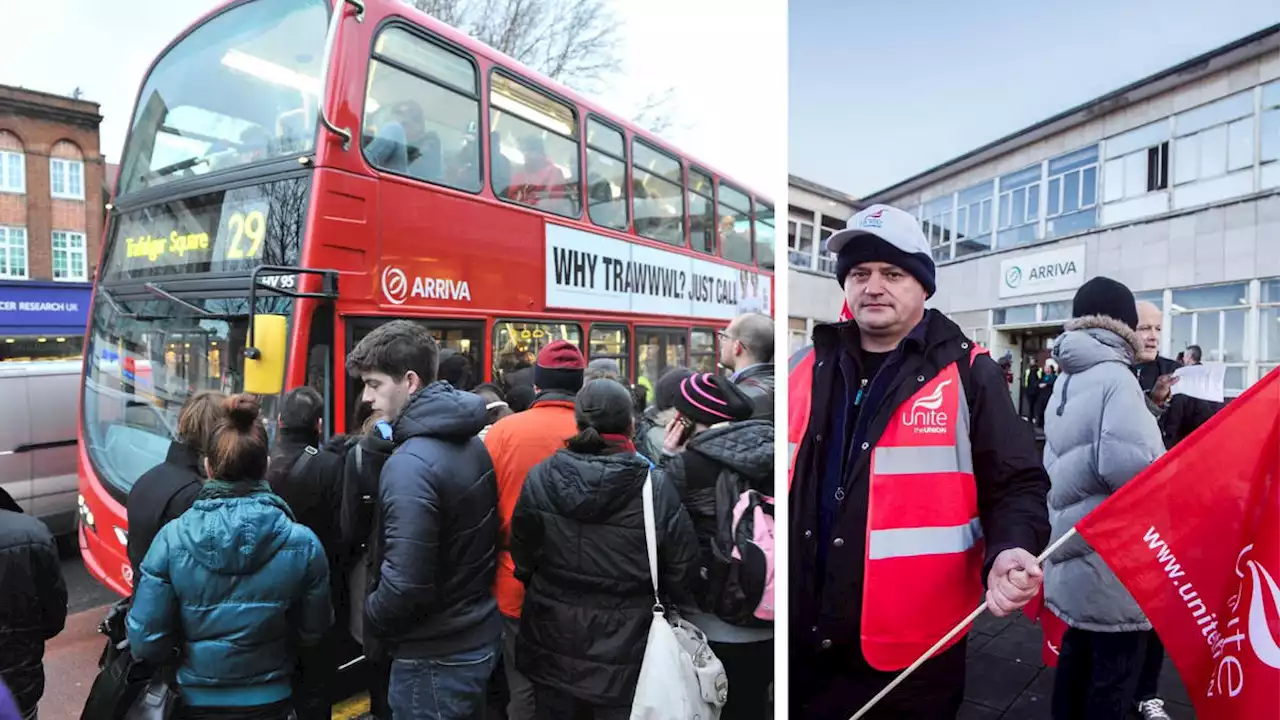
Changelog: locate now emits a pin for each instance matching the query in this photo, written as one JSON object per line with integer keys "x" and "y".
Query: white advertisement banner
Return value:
{"x": 1042, "y": 272}
{"x": 594, "y": 272}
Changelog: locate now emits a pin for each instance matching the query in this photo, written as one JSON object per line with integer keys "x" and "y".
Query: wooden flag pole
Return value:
{"x": 948, "y": 637}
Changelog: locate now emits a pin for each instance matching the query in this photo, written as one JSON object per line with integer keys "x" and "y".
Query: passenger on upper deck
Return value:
{"x": 402, "y": 144}
{"x": 538, "y": 180}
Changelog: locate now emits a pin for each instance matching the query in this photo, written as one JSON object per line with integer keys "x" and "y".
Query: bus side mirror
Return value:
{"x": 264, "y": 361}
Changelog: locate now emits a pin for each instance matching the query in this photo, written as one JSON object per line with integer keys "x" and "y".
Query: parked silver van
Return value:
{"x": 38, "y": 409}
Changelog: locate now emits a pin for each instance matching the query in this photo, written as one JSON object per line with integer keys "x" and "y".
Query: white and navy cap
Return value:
{"x": 882, "y": 233}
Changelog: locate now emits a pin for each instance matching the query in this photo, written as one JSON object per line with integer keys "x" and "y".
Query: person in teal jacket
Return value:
{"x": 233, "y": 590}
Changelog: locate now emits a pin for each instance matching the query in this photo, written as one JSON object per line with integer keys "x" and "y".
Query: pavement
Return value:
{"x": 1006, "y": 679}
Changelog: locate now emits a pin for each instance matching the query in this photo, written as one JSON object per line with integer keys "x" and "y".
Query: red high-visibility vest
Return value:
{"x": 924, "y": 550}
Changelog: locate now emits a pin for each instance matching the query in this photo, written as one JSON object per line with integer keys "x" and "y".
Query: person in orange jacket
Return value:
{"x": 517, "y": 443}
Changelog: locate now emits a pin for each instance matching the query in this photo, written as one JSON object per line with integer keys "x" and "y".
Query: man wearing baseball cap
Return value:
{"x": 915, "y": 487}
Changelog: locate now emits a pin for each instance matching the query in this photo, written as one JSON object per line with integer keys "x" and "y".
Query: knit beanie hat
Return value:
{"x": 882, "y": 233}
{"x": 559, "y": 367}
{"x": 1104, "y": 296}
{"x": 709, "y": 399}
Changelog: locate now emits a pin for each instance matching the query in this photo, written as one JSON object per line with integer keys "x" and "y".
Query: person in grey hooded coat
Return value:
{"x": 1099, "y": 435}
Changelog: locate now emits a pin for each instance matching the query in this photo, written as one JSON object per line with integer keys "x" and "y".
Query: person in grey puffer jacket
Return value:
{"x": 1099, "y": 435}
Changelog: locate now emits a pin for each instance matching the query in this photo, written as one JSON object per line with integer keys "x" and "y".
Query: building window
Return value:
{"x": 938, "y": 223}
{"x": 1137, "y": 162}
{"x": 1214, "y": 318}
{"x": 538, "y": 138}
{"x": 421, "y": 111}
{"x": 657, "y": 184}
{"x": 830, "y": 226}
{"x": 1269, "y": 335}
{"x": 1270, "y": 144}
{"x": 1214, "y": 139}
{"x": 702, "y": 212}
{"x": 13, "y": 253}
{"x": 764, "y": 235}
{"x": 1016, "y": 315}
{"x": 70, "y": 259}
{"x": 797, "y": 335}
{"x": 606, "y": 176}
{"x": 800, "y": 244}
{"x": 13, "y": 172}
{"x": 1019, "y": 208}
{"x": 1072, "y": 192}
{"x": 974, "y": 210}
{"x": 735, "y": 225}
{"x": 66, "y": 178}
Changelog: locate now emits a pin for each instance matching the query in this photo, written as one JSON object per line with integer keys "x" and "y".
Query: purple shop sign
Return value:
{"x": 40, "y": 307}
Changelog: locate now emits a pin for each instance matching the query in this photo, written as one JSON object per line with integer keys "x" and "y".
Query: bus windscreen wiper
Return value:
{"x": 160, "y": 292}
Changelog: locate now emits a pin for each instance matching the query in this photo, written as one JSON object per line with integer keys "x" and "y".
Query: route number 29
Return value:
{"x": 251, "y": 225}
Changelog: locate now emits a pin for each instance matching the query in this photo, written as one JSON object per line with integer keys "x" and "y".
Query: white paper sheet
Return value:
{"x": 1205, "y": 381}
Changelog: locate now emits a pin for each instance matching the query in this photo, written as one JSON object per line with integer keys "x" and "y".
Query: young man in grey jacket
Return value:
{"x": 1099, "y": 435}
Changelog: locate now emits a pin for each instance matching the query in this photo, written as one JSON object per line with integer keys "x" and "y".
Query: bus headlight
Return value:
{"x": 86, "y": 515}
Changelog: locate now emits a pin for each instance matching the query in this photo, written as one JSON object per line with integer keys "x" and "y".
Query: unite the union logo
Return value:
{"x": 395, "y": 285}
{"x": 926, "y": 414}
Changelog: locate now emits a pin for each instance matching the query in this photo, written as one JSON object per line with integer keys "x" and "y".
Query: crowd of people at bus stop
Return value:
{"x": 489, "y": 560}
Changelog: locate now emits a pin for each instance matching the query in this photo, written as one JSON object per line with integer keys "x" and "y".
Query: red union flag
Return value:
{"x": 1196, "y": 540}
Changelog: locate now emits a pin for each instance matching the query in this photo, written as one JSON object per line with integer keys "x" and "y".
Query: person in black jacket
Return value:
{"x": 432, "y": 599}
{"x": 33, "y": 602}
{"x": 727, "y": 454}
{"x": 746, "y": 348}
{"x": 863, "y": 374}
{"x": 586, "y": 614}
{"x": 167, "y": 490}
{"x": 308, "y": 478}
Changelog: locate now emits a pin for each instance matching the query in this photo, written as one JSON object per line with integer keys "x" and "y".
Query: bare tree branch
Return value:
{"x": 654, "y": 114}
{"x": 575, "y": 42}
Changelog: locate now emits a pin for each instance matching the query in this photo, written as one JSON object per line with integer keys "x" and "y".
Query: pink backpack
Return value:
{"x": 746, "y": 597}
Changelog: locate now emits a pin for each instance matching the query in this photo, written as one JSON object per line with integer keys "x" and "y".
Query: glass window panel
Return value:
{"x": 1269, "y": 338}
{"x": 612, "y": 341}
{"x": 1233, "y": 382}
{"x": 1271, "y": 94}
{"x": 1271, "y": 291}
{"x": 702, "y": 223}
{"x": 1207, "y": 324}
{"x": 1021, "y": 235}
{"x": 764, "y": 236}
{"x": 1021, "y": 178}
{"x": 700, "y": 183}
{"x": 516, "y": 343}
{"x": 1240, "y": 144}
{"x": 1074, "y": 159}
{"x": 1215, "y": 113}
{"x": 1018, "y": 207}
{"x": 416, "y": 127}
{"x": 604, "y": 138}
{"x": 1089, "y": 186}
{"x": 702, "y": 350}
{"x": 427, "y": 58}
{"x": 1186, "y": 159}
{"x": 976, "y": 193}
{"x": 1213, "y": 152}
{"x": 1155, "y": 297}
{"x": 1271, "y": 135}
{"x": 735, "y": 232}
{"x": 656, "y": 162}
{"x": 1135, "y": 174}
{"x": 1181, "y": 335}
{"x": 538, "y": 140}
{"x": 1033, "y": 202}
{"x": 1214, "y": 296}
{"x": 734, "y": 198}
{"x": 656, "y": 350}
{"x": 606, "y": 185}
{"x": 1071, "y": 191}
{"x": 1016, "y": 315}
{"x": 658, "y": 207}
{"x": 1056, "y": 311}
{"x": 1233, "y": 335}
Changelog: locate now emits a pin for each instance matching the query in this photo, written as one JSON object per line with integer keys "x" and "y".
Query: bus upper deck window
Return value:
{"x": 534, "y": 146}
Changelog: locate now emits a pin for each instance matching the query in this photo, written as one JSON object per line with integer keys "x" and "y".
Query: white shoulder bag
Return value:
{"x": 680, "y": 678}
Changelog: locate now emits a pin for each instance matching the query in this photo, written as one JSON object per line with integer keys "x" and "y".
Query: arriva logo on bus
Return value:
{"x": 397, "y": 288}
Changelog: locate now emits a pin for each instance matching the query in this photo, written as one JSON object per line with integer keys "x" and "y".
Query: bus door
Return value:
{"x": 656, "y": 350}
{"x": 465, "y": 337}
{"x": 516, "y": 344}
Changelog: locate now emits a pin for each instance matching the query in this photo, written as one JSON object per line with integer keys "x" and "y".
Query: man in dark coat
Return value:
{"x": 863, "y": 374}
{"x": 33, "y": 602}
{"x": 746, "y": 348}
{"x": 432, "y": 600}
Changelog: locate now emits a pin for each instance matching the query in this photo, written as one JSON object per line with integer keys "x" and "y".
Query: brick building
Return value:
{"x": 51, "y": 216}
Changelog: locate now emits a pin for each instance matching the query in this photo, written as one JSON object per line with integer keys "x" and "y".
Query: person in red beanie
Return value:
{"x": 517, "y": 443}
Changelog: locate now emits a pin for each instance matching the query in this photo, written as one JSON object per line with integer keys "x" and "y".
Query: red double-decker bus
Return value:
{"x": 299, "y": 171}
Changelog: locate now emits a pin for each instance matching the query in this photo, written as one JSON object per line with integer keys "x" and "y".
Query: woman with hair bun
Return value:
{"x": 578, "y": 542}
{"x": 231, "y": 590}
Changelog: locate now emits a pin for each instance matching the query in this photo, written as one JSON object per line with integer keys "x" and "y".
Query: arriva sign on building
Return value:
{"x": 1043, "y": 272}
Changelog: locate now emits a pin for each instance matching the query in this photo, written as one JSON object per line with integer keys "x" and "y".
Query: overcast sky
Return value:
{"x": 104, "y": 48}
{"x": 880, "y": 91}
